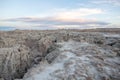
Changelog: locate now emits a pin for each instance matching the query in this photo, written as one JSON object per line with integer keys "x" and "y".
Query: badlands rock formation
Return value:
{"x": 59, "y": 55}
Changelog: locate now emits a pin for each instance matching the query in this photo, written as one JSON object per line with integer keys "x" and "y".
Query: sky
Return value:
{"x": 59, "y": 14}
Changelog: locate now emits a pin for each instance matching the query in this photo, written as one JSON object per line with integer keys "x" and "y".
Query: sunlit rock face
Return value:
{"x": 59, "y": 55}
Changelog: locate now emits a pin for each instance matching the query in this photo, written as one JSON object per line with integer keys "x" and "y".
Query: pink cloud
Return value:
{"x": 70, "y": 18}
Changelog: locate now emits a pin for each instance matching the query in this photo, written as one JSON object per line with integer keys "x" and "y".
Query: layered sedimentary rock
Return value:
{"x": 91, "y": 55}
{"x": 14, "y": 61}
{"x": 77, "y": 61}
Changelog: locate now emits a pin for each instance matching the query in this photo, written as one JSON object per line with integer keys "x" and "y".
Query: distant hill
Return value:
{"x": 113, "y": 30}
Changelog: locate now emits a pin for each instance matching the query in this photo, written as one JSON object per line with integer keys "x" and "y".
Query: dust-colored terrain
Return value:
{"x": 60, "y": 54}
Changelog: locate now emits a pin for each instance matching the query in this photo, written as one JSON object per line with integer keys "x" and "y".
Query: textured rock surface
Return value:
{"x": 14, "y": 61}
{"x": 59, "y": 55}
{"x": 78, "y": 61}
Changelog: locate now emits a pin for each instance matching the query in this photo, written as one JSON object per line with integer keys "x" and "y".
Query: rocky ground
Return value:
{"x": 59, "y": 55}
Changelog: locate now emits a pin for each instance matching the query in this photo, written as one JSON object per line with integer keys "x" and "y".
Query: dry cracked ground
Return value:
{"x": 59, "y": 55}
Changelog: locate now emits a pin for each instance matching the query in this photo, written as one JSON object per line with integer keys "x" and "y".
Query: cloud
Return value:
{"x": 76, "y": 13}
{"x": 67, "y": 14}
{"x": 65, "y": 18}
{"x": 112, "y": 2}
{"x": 58, "y": 21}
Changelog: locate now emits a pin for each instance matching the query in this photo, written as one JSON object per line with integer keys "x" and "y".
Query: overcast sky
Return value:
{"x": 59, "y": 14}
